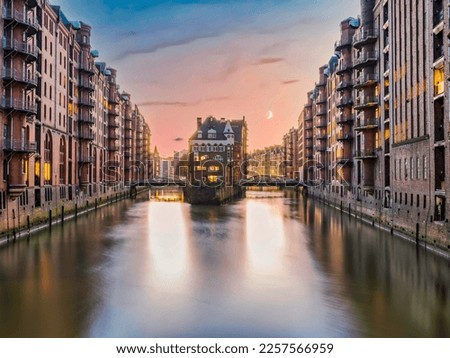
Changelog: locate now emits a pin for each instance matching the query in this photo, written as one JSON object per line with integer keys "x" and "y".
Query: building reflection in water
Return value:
{"x": 259, "y": 267}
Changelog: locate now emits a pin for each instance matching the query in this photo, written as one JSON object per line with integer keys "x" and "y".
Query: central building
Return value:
{"x": 217, "y": 160}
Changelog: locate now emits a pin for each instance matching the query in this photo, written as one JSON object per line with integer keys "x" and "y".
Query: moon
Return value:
{"x": 269, "y": 115}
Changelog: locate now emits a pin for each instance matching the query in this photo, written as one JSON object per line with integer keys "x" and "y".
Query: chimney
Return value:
{"x": 199, "y": 122}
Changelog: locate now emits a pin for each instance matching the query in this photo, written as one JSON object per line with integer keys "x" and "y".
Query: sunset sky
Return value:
{"x": 184, "y": 59}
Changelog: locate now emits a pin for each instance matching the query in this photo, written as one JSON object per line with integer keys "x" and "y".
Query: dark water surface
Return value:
{"x": 260, "y": 267}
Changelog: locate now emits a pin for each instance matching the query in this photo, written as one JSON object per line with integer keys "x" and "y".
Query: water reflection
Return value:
{"x": 260, "y": 267}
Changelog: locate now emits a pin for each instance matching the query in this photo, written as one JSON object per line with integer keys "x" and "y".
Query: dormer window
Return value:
{"x": 212, "y": 134}
{"x": 199, "y": 135}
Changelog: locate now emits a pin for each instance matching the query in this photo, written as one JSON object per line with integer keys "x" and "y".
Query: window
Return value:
{"x": 214, "y": 168}
{"x": 62, "y": 161}
{"x": 425, "y": 168}
{"x": 406, "y": 169}
{"x": 48, "y": 147}
{"x": 412, "y": 168}
{"x": 419, "y": 169}
{"x": 213, "y": 178}
{"x": 439, "y": 81}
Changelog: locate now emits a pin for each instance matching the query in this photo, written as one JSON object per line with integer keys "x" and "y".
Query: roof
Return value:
{"x": 220, "y": 125}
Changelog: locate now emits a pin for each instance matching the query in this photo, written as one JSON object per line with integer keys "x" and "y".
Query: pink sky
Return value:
{"x": 226, "y": 59}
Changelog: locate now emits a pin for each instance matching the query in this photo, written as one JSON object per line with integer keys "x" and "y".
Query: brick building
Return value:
{"x": 64, "y": 122}
{"x": 376, "y": 126}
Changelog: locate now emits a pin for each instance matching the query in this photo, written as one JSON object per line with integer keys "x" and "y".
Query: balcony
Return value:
{"x": 321, "y": 99}
{"x": 21, "y": 18}
{"x": 322, "y": 82}
{"x": 86, "y": 101}
{"x": 83, "y": 118}
{"x": 308, "y": 126}
{"x": 345, "y": 41}
{"x": 322, "y": 113}
{"x": 343, "y": 68}
{"x": 365, "y": 59}
{"x": 86, "y": 135}
{"x": 87, "y": 67}
{"x": 369, "y": 79}
{"x": 365, "y": 37}
{"x": 85, "y": 159}
{"x": 114, "y": 123}
{"x": 31, "y": 3}
{"x": 320, "y": 148}
{"x": 114, "y": 100}
{"x": 367, "y": 124}
{"x": 11, "y": 75}
{"x": 344, "y": 160}
{"x": 344, "y": 85}
{"x": 16, "y": 104}
{"x": 322, "y": 123}
{"x": 322, "y": 137}
{"x": 344, "y": 102}
{"x": 19, "y": 146}
{"x": 344, "y": 137}
{"x": 114, "y": 135}
{"x": 345, "y": 118}
{"x": 113, "y": 148}
{"x": 87, "y": 85}
{"x": 21, "y": 47}
{"x": 366, "y": 154}
{"x": 366, "y": 102}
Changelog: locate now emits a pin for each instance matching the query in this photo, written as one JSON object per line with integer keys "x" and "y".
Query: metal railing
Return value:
{"x": 363, "y": 123}
{"x": 18, "y": 104}
{"x": 366, "y": 154}
{"x": 365, "y": 57}
{"x": 366, "y": 101}
{"x": 13, "y": 74}
{"x": 364, "y": 36}
{"x": 20, "y": 46}
{"x": 21, "y": 17}
{"x": 18, "y": 145}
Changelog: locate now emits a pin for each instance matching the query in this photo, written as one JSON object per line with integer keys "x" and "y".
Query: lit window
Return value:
{"x": 439, "y": 82}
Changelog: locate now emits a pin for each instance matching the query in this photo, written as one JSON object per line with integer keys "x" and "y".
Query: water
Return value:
{"x": 261, "y": 267}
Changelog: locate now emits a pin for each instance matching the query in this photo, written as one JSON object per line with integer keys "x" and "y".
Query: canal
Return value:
{"x": 270, "y": 265}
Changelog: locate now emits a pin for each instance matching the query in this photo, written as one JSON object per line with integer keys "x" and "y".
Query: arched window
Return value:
{"x": 94, "y": 166}
{"x": 48, "y": 149}
{"x": 62, "y": 161}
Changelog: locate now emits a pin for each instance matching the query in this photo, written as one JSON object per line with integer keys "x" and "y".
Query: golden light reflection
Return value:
{"x": 265, "y": 242}
{"x": 168, "y": 244}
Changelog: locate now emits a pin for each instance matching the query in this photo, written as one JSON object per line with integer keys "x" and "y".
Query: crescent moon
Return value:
{"x": 270, "y": 115}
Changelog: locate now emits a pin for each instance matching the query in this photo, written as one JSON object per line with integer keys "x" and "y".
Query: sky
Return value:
{"x": 186, "y": 59}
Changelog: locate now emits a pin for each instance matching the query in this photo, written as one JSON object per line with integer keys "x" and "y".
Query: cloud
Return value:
{"x": 269, "y": 61}
{"x": 166, "y": 104}
{"x": 178, "y": 139}
{"x": 217, "y": 99}
{"x": 288, "y": 82}
{"x": 152, "y": 48}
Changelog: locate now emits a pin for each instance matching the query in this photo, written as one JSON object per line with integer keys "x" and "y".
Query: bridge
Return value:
{"x": 252, "y": 182}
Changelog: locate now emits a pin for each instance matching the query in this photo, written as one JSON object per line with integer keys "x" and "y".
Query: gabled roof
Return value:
{"x": 222, "y": 128}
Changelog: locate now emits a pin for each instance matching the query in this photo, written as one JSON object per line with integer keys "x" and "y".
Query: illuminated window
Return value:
{"x": 214, "y": 168}
{"x": 439, "y": 82}
{"x": 213, "y": 178}
{"x": 48, "y": 147}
